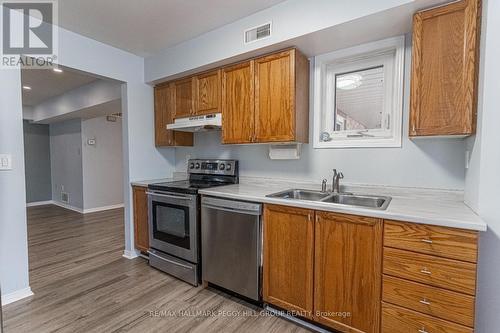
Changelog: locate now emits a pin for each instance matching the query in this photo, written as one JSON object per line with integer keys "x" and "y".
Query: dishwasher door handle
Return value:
{"x": 233, "y": 210}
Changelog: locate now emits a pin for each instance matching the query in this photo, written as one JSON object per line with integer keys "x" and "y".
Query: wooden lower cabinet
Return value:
{"x": 141, "y": 227}
{"x": 347, "y": 272}
{"x": 288, "y": 258}
{"x": 429, "y": 281}
{"x": 342, "y": 252}
{"x": 396, "y": 319}
{"x": 370, "y": 275}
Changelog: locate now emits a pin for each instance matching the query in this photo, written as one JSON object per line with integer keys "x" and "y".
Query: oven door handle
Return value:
{"x": 171, "y": 196}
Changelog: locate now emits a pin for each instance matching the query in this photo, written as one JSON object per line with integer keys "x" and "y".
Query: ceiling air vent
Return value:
{"x": 257, "y": 33}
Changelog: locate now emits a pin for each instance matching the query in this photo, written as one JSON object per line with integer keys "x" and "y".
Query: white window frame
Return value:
{"x": 389, "y": 53}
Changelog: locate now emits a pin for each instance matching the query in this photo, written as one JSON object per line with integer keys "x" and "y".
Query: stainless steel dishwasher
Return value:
{"x": 231, "y": 239}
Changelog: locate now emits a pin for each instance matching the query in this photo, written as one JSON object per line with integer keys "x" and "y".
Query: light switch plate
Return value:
{"x": 5, "y": 162}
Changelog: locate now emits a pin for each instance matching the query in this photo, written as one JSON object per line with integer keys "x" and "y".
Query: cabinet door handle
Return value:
{"x": 426, "y": 240}
{"x": 422, "y": 330}
{"x": 425, "y": 301}
{"x": 425, "y": 271}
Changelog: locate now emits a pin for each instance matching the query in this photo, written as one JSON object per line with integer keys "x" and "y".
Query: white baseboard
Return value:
{"x": 39, "y": 203}
{"x": 64, "y": 205}
{"x": 100, "y": 209}
{"x": 130, "y": 254}
{"x": 16, "y": 296}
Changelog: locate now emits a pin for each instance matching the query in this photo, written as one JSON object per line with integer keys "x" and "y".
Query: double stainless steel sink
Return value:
{"x": 346, "y": 199}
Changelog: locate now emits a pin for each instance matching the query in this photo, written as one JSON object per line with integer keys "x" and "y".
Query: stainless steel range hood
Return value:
{"x": 198, "y": 123}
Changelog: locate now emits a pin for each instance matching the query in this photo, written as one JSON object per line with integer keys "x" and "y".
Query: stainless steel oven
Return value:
{"x": 174, "y": 215}
{"x": 173, "y": 233}
{"x": 173, "y": 223}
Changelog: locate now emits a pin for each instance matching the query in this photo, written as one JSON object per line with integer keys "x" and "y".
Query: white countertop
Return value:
{"x": 145, "y": 183}
{"x": 428, "y": 206}
{"x": 175, "y": 176}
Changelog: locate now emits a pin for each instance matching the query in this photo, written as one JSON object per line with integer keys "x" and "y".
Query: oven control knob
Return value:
{"x": 191, "y": 166}
{"x": 197, "y": 165}
{"x": 222, "y": 166}
{"x": 228, "y": 167}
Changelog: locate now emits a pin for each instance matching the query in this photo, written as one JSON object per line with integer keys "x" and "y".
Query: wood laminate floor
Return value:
{"x": 83, "y": 284}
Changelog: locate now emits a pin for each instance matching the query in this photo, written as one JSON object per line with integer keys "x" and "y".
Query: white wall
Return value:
{"x": 66, "y": 161}
{"x": 483, "y": 180}
{"x": 432, "y": 163}
{"x": 102, "y": 163}
{"x": 13, "y": 232}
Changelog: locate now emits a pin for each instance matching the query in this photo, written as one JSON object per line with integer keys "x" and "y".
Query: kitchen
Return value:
{"x": 340, "y": 188}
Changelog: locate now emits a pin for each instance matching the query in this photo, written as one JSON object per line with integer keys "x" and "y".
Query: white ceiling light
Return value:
{"x": 26, "y": 87}
{"x": 351, "y": 81}
{"x": 57, "y": 70}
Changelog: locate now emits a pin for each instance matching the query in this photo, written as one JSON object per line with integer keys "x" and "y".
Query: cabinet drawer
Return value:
{"x": 399, "y": 320}
{"x": 439, "y": 272}
{"x": 441, "y": 241}
{"x": 437, "y": 302}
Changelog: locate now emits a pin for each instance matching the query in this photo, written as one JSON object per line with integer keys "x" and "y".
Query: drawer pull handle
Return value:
{"x": 428, "y": 241}
{"x": 422, "y": 330}
{"x": 425, "y": 301}
{"x": 425, "y": 271}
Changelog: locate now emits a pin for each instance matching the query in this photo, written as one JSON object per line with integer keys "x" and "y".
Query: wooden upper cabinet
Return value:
{"x": 207, "y": 93}
{"x": 444, "y": 70}
{"x": 164, "y": 114}
{"x": 282, "y": 97}
{"x": 238, "y": 103}
{"x": 141, "y": 227}
{"x": 347, "y": 276}
{"x": 183, "y": 98}
{"x": 288, "y": 258}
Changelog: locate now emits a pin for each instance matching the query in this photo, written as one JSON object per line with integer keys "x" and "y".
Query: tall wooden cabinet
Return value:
{"x": 238, "y": 121}
{"x": 347, "y": 266}
{"x": 445, "y": 69}
{"x": 164, "y": 114}
{"x": 288, "y": 258}
{"x": 281, "y": 97}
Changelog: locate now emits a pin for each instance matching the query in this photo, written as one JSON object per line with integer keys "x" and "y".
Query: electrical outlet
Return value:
{"x": 5, "y": 162}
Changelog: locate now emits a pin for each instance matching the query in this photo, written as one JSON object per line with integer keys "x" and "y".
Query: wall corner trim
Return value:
{"x": 130, "y": 254}
{"x": 16, "y": 296}
{"x": 100, "y": 209}
{"x": 39, "y": 203}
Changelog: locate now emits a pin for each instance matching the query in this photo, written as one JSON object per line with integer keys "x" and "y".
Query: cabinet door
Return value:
{"x": 164, "y": 114}
{"x": 207, "y": 93}
{"x": 163, "y": 106}
{"x": 444, "y": 70}
{"x": 275, "y": 97}
{"x": 183, "y": 98}
{"x": 238, "y": 103}
{"x": 288, "y": 258}
{"x": 347, "y": 275}
{"x": 141, "y": 227}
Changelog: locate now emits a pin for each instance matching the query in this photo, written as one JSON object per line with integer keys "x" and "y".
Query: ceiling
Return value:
{"x": 147, "y": 27}
{"x": 45, "y": 83}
